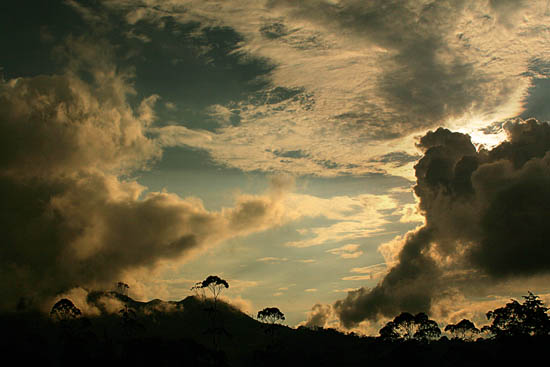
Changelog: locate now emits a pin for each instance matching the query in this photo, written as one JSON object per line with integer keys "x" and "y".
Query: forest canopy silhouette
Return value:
{"x": 142, "y": 333}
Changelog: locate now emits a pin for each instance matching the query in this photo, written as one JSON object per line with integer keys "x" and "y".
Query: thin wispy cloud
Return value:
{"x": 271, "y": 259}
{"x": 356, "y": 217}
{"x": 350, "y": 251}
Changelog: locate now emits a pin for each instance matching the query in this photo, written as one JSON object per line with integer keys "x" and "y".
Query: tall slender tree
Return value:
{"x": 271, "y": 316}
{"x": 215, "y": 285}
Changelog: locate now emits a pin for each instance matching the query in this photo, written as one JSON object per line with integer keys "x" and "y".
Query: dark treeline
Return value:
{"x": 186, "y": 333}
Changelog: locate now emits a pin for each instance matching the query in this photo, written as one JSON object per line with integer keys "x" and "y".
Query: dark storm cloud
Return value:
{"x": 423, "y": 80}
{"x": 410, "y": 285}
{"x": 68, "y": 217}
{"x": 514, "y": 224}
{"x": 486, "y": 221}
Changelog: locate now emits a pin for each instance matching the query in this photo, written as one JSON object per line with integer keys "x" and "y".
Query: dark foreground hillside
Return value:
{"x": 161, "y": 333}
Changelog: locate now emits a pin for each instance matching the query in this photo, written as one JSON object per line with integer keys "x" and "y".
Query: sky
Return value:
{"x": 343, "y": 161}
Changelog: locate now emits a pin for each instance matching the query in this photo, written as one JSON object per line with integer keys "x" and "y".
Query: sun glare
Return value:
{"x": 483, "y": 132}
{"x": 488, "y": 141}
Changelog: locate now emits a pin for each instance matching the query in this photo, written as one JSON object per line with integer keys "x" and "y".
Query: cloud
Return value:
{"x": 319, "y": 316}
{"x": 390, "y": 250}
{"x": 170, "y": 106}
{"x": 345, "y": 290}
{"x": 221, "y": 113}
{"x": 398, "y": 159}
{"x": 370, "y": 272}
{"x": 72, "y": 214}
{"x": 346, "y": 76}
{"x": 79, "y": 298}
{"x": 358, "y": 277}
{"x": 420, "y": 74}
{"x": 271, "y": 259}
{"x": 146, "y": 284}
{"x": 170, "y": 136}
{"x": 354, "y": 217}
{"x": 350, "y": 251}
{"x": 240, "y": 303}
{"x": 507, "y": 10}
{"x": 86, "y": 13}
{"x": 68, "y": 113}
{"x": 484, "y": 225}
{"x": 349, "y": 74}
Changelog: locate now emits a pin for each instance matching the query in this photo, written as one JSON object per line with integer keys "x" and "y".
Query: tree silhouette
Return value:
{"x": 427, "y": 329}
{"x": 68, "y": 317}
{"x": 64, "y": 310}
{"x": 520, "y": 319}
{"x": 465, "y": 330}
{"x": 129, "y": 321}
{"x": 215, "y": 285}
{"x": 122, "y": 288}
{"x": 406, "y": 326}
{"x": 271, "y": 316}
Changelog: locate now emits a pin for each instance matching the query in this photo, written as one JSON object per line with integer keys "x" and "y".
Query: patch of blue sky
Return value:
{"x": 192, "y": 68}
{"x": 536, "y": 101}
{"x": 190, "y": 172}
{"x": 30, "y": 41}
{"x": 347, "y": 185}
{"x": 282, "y": 274}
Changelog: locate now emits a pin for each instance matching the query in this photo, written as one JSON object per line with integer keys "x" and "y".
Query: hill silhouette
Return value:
{"x": 188, "y": 318}
{"x": 177, "y": 333}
